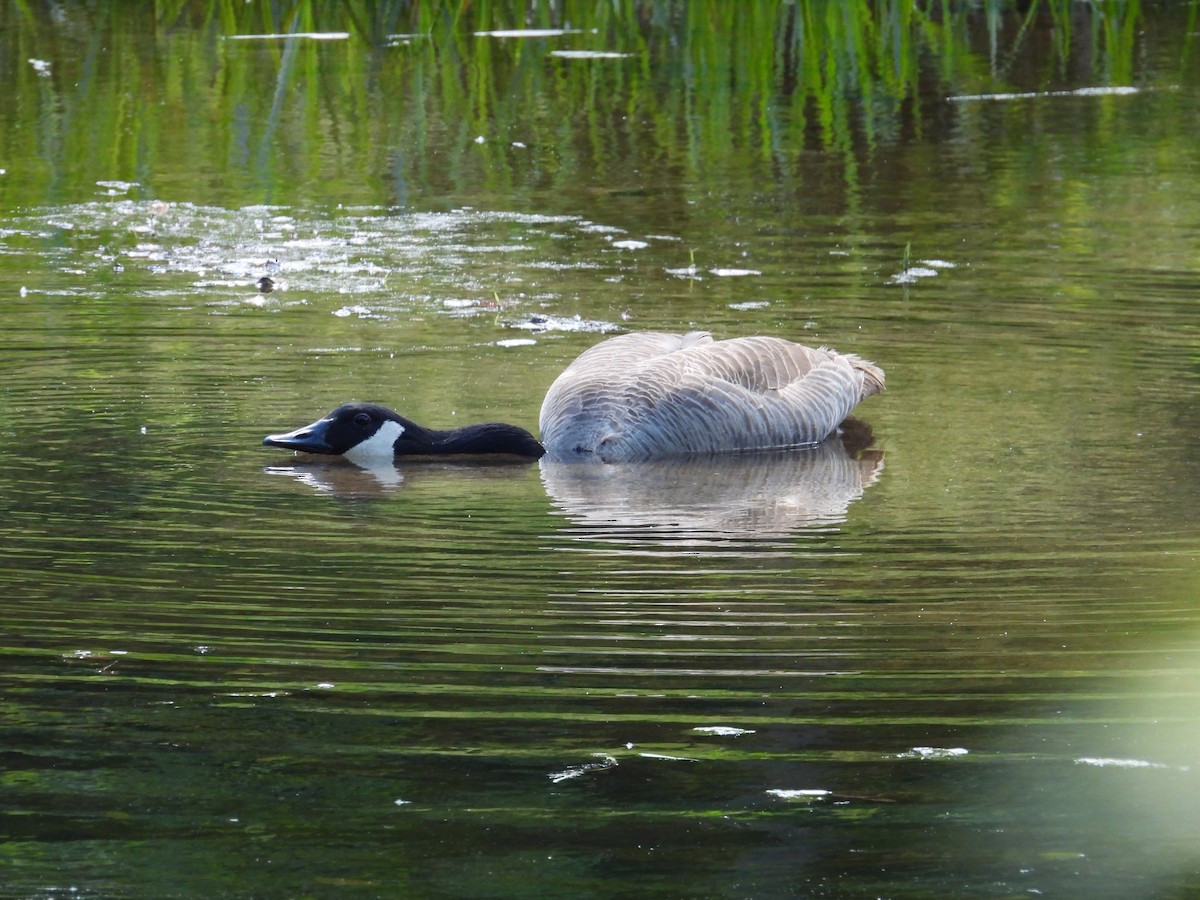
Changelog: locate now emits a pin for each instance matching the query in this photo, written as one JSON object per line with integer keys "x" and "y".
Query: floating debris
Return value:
{"x": 401, "y": 40}
{"x": 540, "y": 322}
{"x": 821, "y": 794}
{"x": 605, "y": 762}
{"x": 664, "y": 756}
{"x": 734, "y": 273}
{"x": 932, "y": 753}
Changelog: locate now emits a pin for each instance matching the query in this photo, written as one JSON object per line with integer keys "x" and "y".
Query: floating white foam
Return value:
{"x": 802, "y": 794}
{"x": 528, "y": 32}
{"x": 589, "y": 54}
{"x": 308, "y": 35}
{"x": 912, "y": 275}
{"x": 723, "y": 730}
{"x": 1117, "y": 91}
{"x": 363, "y": 312}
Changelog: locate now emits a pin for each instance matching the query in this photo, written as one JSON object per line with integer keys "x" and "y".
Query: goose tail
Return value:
{"x": 873, "y": 380}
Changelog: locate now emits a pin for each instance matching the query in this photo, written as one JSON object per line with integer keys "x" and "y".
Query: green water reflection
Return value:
{"x": 962, "y": 662}
{"x": 414, "y": 106}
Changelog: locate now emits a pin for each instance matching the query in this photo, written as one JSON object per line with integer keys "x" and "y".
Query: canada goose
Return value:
{"x": 638, "y": 396}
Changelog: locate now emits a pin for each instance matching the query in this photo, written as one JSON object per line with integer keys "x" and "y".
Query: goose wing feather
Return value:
{"x": 648, "y": 395}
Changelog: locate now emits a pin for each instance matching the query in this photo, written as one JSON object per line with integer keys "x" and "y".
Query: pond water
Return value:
{"x": 962, "y": 660}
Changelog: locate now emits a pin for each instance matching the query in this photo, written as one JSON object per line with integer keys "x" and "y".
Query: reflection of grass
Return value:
{"x": 709, "y": 85}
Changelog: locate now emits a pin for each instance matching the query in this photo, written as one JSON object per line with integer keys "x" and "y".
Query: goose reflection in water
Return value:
{"x": 374, "y": 478}
{"x": 750, "y": 495}
{"x": 699, "y": 497}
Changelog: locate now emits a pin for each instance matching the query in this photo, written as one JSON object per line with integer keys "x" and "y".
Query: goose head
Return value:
{"x": 367, "y": 431}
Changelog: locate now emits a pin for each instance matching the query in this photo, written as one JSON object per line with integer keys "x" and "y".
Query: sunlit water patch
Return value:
{"x": 507, "y": 265}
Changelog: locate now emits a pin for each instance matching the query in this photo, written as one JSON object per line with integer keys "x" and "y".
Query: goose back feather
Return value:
{"x": 650, "y": 395}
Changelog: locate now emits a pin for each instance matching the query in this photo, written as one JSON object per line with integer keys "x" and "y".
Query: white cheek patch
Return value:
{"x": 380, "y": 445}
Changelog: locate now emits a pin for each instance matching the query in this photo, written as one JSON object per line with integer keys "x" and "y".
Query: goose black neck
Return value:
{"x": 485, "y": 438}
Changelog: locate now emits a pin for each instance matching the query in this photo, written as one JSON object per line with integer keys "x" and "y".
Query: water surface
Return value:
{"x": 963, "y": 660}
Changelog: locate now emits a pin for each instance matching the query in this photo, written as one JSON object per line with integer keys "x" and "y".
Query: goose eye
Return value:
{"x": 362, "y": 420}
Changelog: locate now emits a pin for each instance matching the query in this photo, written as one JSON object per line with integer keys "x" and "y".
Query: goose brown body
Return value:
{"x": 652, "y": 395}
